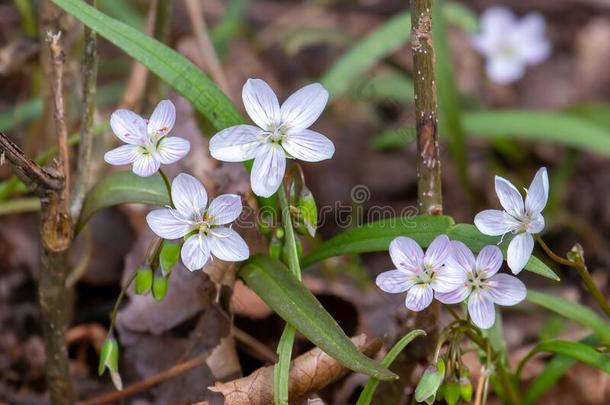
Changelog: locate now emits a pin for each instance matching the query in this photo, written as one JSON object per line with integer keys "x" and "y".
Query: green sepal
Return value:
{"x": 144, "y": 280}
{"x": 430, "y": 382}
{"x": 452, "y": 392}
{"x": 306, "y": 213}
{"x": 169, "y": 256}
{"x": 109, "y": 356}
{"x": 160, "y": 287}
{"x": 466, "y": 389}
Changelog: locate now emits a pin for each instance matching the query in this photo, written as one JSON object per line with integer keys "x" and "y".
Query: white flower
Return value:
{"x": 147, "y": 147}
{"x": 509, "y": 44}
{"x": 481, "y": 286}
{"x": 523, "y": 220}
{"x": 417, "y": 273}
{"x": 282, "y": 132}
{"x": 205, "y": 229}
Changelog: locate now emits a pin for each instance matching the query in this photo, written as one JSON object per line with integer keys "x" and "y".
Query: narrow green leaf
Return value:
{"x": 229, "y": 25}
{"x": 575, "y": 350}
{"x": 389, "y": 86}
{"x": 393, "y": 138}
{"x": 460, "y": 16}
{"x": 281, "y": 290}
{"x": 281, "y": 370}
{"x": 559, "y": 128}
{"x": 366, "y": 396}
{"x": 553, "y": 371}
{"x": 120, "y": 188}
{"x": 168, "y": 64}
{"x": 366, "y": 53}
{"x": 572, "y": 310}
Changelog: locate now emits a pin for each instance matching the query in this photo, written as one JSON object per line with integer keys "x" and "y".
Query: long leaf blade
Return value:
{"x": 168, "y": 64}
{"x": 120, "y": 188}
{"x": 281, "y": 290}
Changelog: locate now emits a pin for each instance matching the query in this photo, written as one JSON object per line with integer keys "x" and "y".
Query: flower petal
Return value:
{"x": 419, "y": 297}
{"x": 167, "y": 224}
{"x": 129, "y": 127}
{"x": 261, "y": 103}
{"x": 497, "y": 20}
{"x": 437, "y": 252}
{"x": 536, "y": 224}
{"x": 172, "y": 149}
{"x": 447, "y": 279}
{"x": 224, "y": 209}
{"x": 406, "y": 254}
{"x": 533, "y": 46}
{"x": 519, "y": 251}
{"x": 122, "y": 155}
{"x": 227, "y": 245}
{"x": 162, "y": 119}
{"x": 461, "y": 257}
{"x": 455, "y": 296}
{"x": 145, "y": 165}
{"x": 308, "y": 145}
{"x": 304, "y": 106}
{"x": 481, "y": 309}
{"x": 503, "y": 70}
{"x": 495, "y": 222}
{"x": 195, "y": 252}
{"x": 505, "y": 289}
{"x": 538, "y": 193}
{"x": 509, "y": 196}
{"x": 268, "y": 170}
{"x": 235, "y": 144}
{"x": 489, "y": 261}
{"x": 395, "y": 281}
{"x": 189, "y": 195}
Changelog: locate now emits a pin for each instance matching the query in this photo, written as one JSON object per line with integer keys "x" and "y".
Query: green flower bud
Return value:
{"x": 159, "y": 288}
{"x": 275, "y": 248}
{"x": 144, "y": 280}
{"x": 306, "y": 215}
{"x": 452, "y": 392}
{"x": 430, "y": 382}
{"x": 466, "y": 389}
{"x": 109, "y": 359}
{"x": 169, "y": 256}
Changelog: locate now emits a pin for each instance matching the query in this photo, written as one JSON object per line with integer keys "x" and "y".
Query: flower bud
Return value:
{"x": 452, "y": 392}
{"x": 275, "y": 247}
{"x": 306, "y": 216}
{"x": 109, "y": 359}
{"x": 466, "y": 389}
{"x": 169, "y": 256}
{"x": 430, "y": 382}
{"x": 144, "y": 280}
{"x": 159, "y": 288}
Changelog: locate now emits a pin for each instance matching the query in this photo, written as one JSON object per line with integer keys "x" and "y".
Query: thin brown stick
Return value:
{"x": 205, "y": 43}
{"x": 151, "y": 381}
{"x": 89, "y": 72}
{"x": 254, "y": 346}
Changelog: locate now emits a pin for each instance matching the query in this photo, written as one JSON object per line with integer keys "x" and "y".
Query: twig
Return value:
{"x": 254, "y": 346}
{"x": 89, "y": 71}
{"x": 207, "y": 48}
{"x": 151, "y": 381}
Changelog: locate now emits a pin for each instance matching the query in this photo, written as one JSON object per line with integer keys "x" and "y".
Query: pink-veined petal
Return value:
{"x": 419, "y": 297}
{"x": 455, "y": 296}
{"x": 188, "y": 195}
{"x": 395, "y": 281}
{"x": 227, "y": 245}
{"x": 489, "y": 261}
{"x": 236, "y": 144}
{"x": 268, "y": 170}
{"x": 509, "y": 197}
{"x": 195, "y": 252}
{"x": 224, "y": 209}
{"x": 261, "y": 103}
{"x": 162, "y": 119}
{"x": 406, "y": 254}
{"x": 460, "y": 257}
{"x": 167, "y": 224}
{"x": 538, "y": 192}
{"x": 308, "y": 146}
{"x": 122, "y": 155}
{"x": 519, "y": 251}
{"x": 129, "y": 127}
{"x": 495, "y": 222}
{"x": 304, "y": 107}
{"x": 481, "y": 309}
{"x": 505, "y": 289}
{"x": 437, "y": 252}
{"x": 145, "y": 165}
{"x": 171, "y": 149}
{"x": 536, "y": 224}
{"x": 447, "y": 279}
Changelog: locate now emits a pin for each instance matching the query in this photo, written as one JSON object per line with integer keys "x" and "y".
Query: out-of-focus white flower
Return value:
{"x": 482, "y": 287}
{"x": 510, "y": 44}
{"x": 521, "y": 219}
{"x": 205, "y": 229}
{"x": 282, "y": 132}
{"x": 148, "y": 146}
{"x": 417, "y": 273}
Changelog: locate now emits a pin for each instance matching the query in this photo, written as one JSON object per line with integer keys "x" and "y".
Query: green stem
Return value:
{"x": 118, "y": 301}
{"x": 578, "y": 263}
{"x": 284, "y": 350}
{"x": 167, "y": 186}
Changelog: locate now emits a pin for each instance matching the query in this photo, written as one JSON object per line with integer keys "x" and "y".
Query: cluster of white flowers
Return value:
{"x": 449, "y": 271}
{"x": 282, "y": 133}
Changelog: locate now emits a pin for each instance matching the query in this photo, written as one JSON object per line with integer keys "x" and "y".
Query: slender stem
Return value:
{"x": 282, "y": 368}
{"x": 577, "y": 261}
{"x": 118, "y": 301}
{"x": 167, "y": 185}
